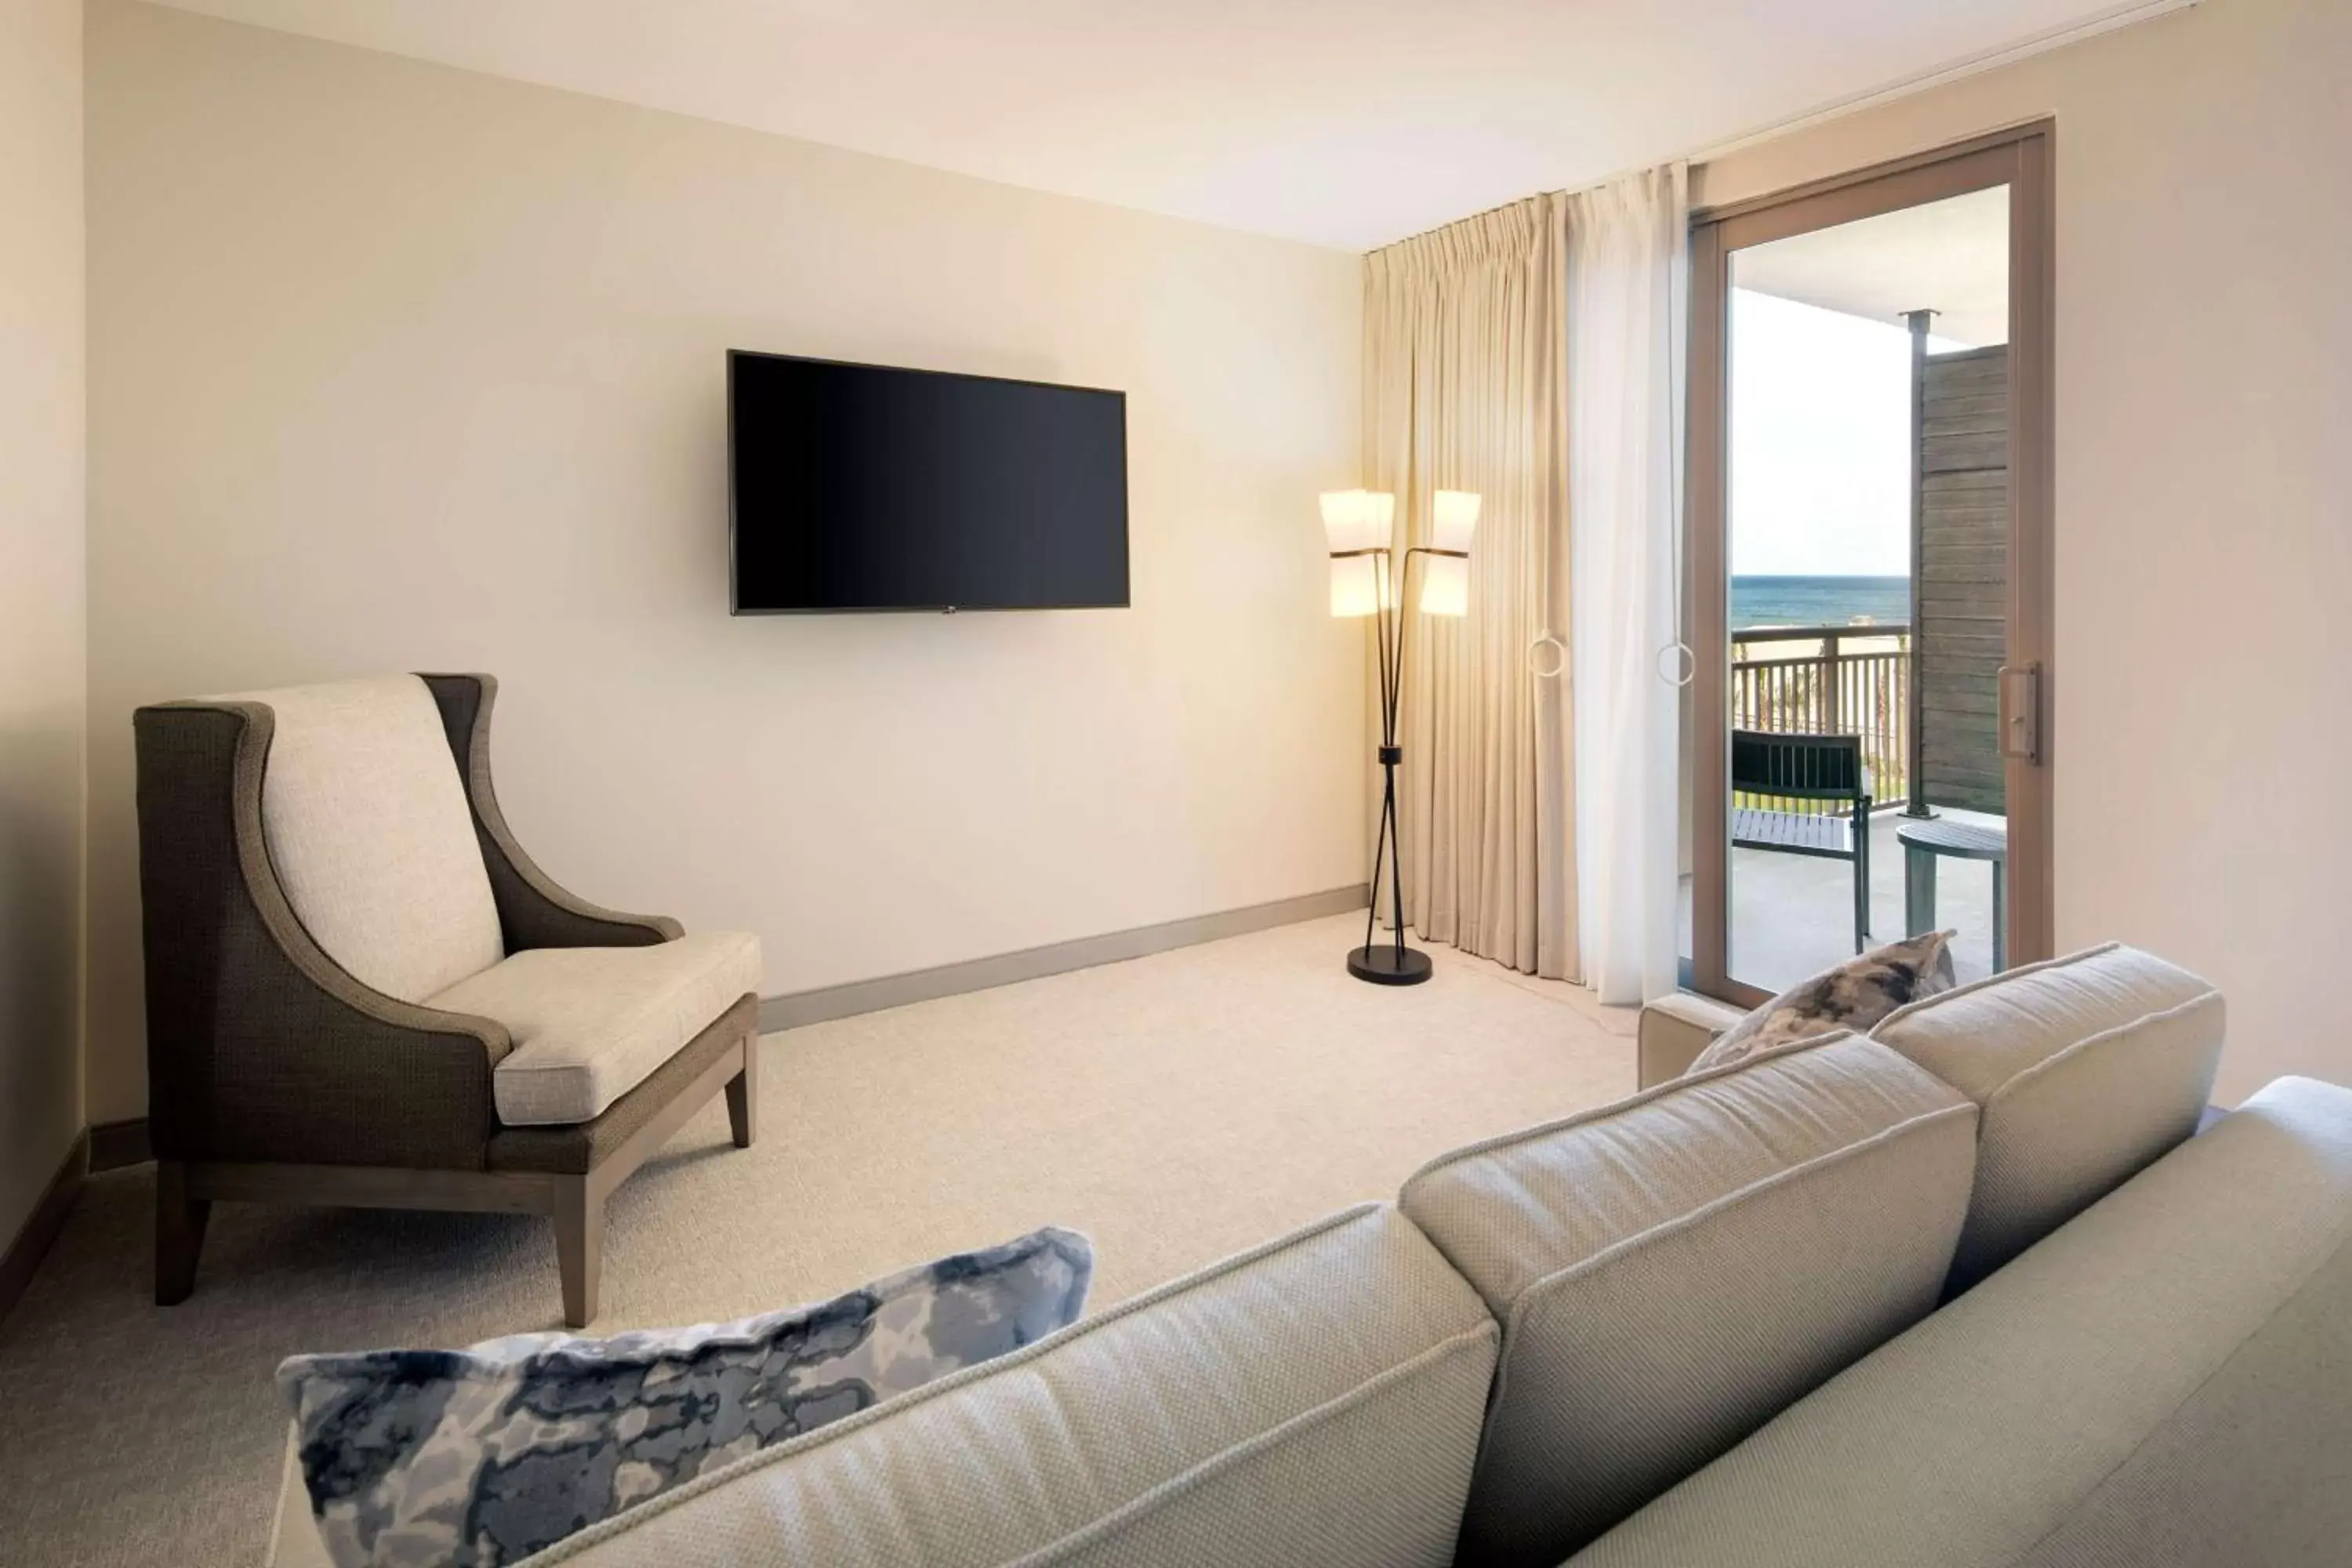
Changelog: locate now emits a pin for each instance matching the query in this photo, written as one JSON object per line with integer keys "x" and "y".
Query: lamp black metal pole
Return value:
{"x": 1392, "y": 963}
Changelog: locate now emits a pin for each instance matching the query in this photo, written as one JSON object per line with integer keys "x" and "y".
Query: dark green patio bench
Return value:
{"x": 1825, "y": 768}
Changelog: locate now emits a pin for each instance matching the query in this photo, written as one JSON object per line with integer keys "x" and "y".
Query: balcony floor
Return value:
{"x": 1792, "y": 915}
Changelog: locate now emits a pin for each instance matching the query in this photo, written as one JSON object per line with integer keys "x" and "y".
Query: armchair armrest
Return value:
{"x": 534, "y": 910}
{"x": 259, "y": 1045}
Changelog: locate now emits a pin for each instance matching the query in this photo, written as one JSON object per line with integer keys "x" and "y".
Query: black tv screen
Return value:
{"x": 856, "y": 486}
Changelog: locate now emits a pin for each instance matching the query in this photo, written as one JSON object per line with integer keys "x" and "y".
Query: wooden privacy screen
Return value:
{"x": 1961, "y": 577}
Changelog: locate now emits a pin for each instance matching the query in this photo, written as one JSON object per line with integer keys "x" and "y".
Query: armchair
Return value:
{"x": 360, "y": 991}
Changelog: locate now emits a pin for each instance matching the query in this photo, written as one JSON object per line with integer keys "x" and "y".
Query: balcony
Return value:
{"x": 1831, "y": 680}
{"x": 1792, "y": 915}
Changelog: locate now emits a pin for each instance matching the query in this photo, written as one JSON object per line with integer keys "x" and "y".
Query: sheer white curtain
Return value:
{"x": 1465, "y": 388}
{"x": 1627, "y": 285}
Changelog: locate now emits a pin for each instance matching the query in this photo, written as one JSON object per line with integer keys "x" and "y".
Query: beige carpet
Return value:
{"x": 1176, "y": 1109}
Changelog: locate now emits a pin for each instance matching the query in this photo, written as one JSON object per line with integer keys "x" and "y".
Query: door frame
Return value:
{"x": 2022, "y": 158}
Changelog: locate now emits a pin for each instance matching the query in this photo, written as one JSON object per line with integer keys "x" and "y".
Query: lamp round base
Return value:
{"x": 1384, "y": 964}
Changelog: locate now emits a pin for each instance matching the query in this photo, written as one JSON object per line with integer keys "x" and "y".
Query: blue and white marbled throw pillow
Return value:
{"x": 481, "y": 1457}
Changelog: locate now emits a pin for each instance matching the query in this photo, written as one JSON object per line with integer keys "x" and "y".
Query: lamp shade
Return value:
{"x": 1357, "y": 520}
{"x": 1359, "y": 524}
{"x": 1355, "y": 581}
{"x": 1444, "y": 586}
{"x": 1446, "y": 579}
{"x": 1453, "y": 517}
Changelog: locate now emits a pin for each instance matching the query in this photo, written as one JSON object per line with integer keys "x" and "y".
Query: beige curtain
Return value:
{"x": 1627, "y": 300}
{"x": 1466, "y": 341}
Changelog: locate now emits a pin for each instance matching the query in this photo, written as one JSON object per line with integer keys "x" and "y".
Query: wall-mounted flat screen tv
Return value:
{"x": 857, "y": 487}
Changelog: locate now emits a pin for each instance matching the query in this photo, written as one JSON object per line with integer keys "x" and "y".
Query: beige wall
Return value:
{"x": 394, "y": 366}
{"x": 2202, "y": 735}
{"x": 40, "y": 596}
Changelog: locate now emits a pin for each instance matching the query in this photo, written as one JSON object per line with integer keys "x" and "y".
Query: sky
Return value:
{"x": 1821, "y": 483}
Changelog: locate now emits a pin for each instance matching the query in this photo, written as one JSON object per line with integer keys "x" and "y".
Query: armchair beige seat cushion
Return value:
{"x": 590, "y": 1023}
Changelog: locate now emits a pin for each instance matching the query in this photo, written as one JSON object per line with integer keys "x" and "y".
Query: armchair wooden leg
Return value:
{"x": 179, "y": 1233}
{"x": 579, "y": 1246}
{"x": 743, "y": 1095}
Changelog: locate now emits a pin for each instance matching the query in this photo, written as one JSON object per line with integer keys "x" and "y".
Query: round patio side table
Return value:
{"x": 1926, "y": 842}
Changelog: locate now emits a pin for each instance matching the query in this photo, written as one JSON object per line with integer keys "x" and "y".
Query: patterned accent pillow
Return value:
{"x": 1855, "y": 996}
{"x": 481, "y": 1457}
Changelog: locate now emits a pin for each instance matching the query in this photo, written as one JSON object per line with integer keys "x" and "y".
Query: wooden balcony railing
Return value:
{"x": 1831, "y": 680}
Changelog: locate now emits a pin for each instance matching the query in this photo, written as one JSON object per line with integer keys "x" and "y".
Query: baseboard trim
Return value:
{"x": 114, "y": 1145}
{"x": 41, "y": 1226}
{"x": 796, "y": 1009}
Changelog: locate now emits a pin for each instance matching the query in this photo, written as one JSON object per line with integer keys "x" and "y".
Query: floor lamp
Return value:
{"x": 1361, "y": 526}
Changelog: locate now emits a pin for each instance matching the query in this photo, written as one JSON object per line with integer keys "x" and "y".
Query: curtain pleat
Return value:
{"x": 1466, "y": 388}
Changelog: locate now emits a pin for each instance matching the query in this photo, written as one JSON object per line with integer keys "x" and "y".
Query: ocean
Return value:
{"x": 1818, "y": 601}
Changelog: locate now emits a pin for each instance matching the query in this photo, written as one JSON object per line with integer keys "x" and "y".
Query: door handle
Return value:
{"x": 2020, "y": 709}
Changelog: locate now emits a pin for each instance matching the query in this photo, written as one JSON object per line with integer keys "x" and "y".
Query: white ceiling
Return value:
{"x": 1950, "y": 257}
{"x": 1348, "y": 123}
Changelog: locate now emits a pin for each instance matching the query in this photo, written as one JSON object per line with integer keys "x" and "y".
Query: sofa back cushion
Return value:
{"x": 1314, "y": 1401}
{"x": 2087, "y": 1067}
{"x": 1674, "y": 1269}
{"x": 372, "y": 836}
{"x": 2164, "y": 1382}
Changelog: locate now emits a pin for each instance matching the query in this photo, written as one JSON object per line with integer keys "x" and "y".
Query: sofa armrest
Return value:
{"x": 534, "y": 910}
{"x": 1675, "y": 1029}
{"x": 294, "y": 1538}
{"x": 259, "y": 1045}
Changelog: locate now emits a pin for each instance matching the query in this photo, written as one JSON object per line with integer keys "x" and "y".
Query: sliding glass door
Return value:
{"x": 1869, "y": 559}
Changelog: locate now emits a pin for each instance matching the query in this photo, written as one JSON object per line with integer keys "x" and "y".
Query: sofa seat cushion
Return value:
{"x": 1674, "y": 1269}
{"x": 590, "y": 1023}
{"x": 1311, "y": 1404}
{"x": 2087, "y": 1067}
{"x": 372, "y": 836}
{"x": 2164, "y": 1382}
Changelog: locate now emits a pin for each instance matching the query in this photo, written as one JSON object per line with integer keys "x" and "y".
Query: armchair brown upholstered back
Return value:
{"x": 533, "y": 911}
{"x": 260, "y": 1047}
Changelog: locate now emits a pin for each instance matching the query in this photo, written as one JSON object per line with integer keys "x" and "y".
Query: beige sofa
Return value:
{"x": 1962, "y": 1292}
